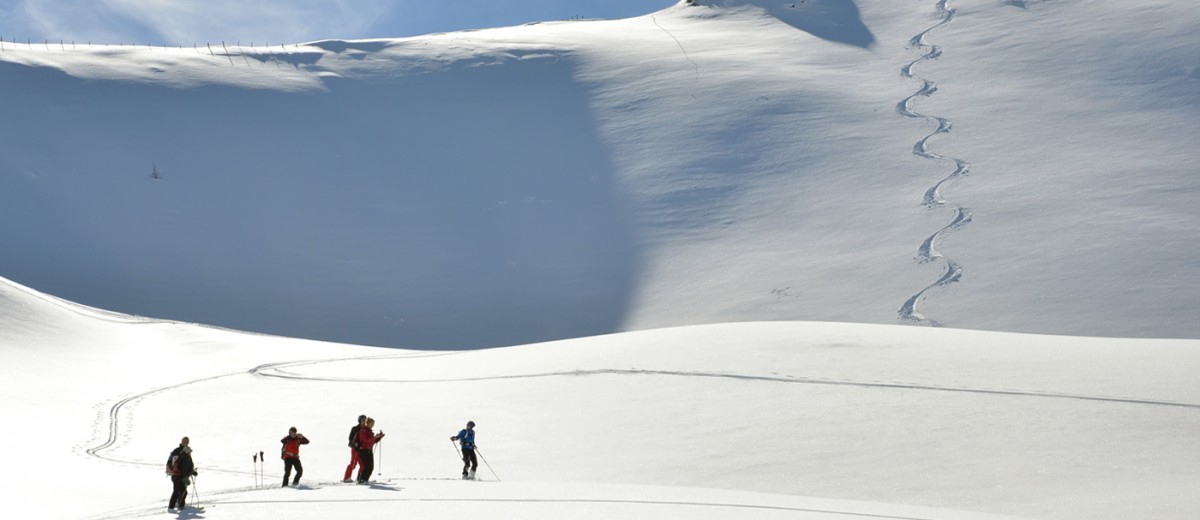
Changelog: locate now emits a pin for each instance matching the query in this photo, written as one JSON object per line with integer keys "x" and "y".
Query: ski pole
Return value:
{"x": 255, "y": 459}
{"x": 262, "y": 469}
{"x": 460, "y": 455}
{"x": 381, "y": 459}
{"x": 480, "y": 453}
{"x": 195, "y": 491}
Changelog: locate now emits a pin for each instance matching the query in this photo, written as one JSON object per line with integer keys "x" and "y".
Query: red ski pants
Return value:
{"x": 353, "y": 462}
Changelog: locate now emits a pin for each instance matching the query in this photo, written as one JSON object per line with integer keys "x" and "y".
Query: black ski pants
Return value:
{"x": 288, "y": 464}
{"x": 180, "y": 491}
{"x": 469, "y": 461}
{"x": 366, "y": 461}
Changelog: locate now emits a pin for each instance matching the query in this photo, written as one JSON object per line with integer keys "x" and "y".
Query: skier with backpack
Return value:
{"x": 353, "y": 443}
{"x": 466, "y": 436}
{"x": 181, "y": 469}
{"x": 290, "y": 453}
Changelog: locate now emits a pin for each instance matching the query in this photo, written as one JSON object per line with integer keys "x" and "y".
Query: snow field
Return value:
{"x": 993, "y": 423}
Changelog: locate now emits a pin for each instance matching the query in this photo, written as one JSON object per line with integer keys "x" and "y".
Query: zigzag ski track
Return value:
{"x": 932, "y": 200}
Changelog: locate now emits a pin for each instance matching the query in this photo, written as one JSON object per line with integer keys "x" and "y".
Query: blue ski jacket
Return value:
{"x": 467, "y": 438}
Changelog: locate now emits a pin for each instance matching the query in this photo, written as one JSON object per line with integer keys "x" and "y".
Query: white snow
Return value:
{"x": 698, "y": 227}
{"x": 796, "y": 420}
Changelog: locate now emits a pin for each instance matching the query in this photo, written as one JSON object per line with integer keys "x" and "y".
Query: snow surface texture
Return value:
{"x": 755, "y": 420}
{"x": 716, "y": 161}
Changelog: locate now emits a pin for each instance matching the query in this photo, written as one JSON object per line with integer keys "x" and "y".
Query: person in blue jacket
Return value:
{"x": 467, "y": 438}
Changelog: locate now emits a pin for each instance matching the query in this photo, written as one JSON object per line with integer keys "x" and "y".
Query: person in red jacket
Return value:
{"x": 290, "y": 452}
{"x": 366, "y": 445}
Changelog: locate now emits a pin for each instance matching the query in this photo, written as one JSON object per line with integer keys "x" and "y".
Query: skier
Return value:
{"x": 290, "y": 452}
{"x": 354, "y": 449}
{"x": 181, "y": 469}
{"x": 366, "y": 443}
{"x": 467, "y": 438}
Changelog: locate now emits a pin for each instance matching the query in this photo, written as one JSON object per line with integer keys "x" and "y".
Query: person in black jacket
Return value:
{"x": 181, "y": 469}
{"x": 354, "y": 449}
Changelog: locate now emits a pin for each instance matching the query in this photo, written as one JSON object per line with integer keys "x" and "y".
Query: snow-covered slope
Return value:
{"x": 754, "y": 420}
{"x": 717, "y": 161}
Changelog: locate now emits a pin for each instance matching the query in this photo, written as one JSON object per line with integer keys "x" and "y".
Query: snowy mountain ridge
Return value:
{"x": 565, "y": 179}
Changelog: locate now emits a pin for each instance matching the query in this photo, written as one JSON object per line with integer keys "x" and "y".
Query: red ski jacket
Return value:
{"x": 367, "y": 438}
{"x": 291, "y": 446}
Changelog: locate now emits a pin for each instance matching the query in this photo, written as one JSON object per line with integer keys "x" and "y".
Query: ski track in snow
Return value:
{"x": 277, "y": 370}
{"x": 112, "y": 431}
{"x": 928, "y": 252}
{"x": 695, "y": 65}
{"x": 114, "y": 420}
{"x": 273, "y": 371}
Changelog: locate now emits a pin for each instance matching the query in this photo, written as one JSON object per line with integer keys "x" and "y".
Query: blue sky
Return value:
{"x": 180, "y": 22}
